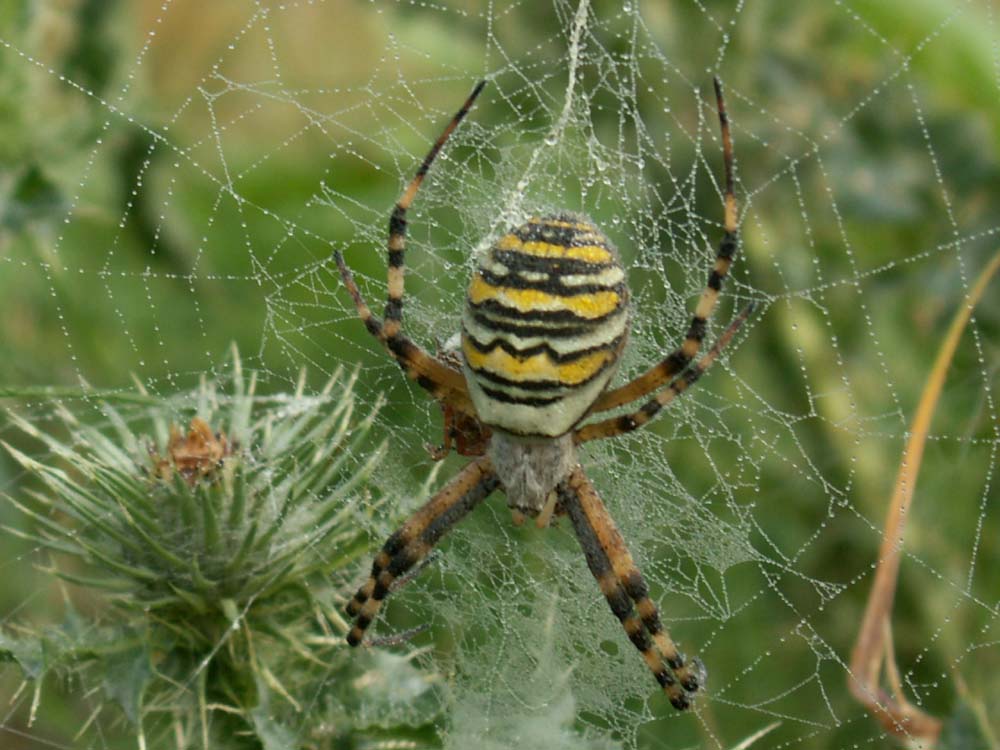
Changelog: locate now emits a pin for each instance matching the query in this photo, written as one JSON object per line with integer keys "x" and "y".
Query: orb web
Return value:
{"x": 190, "y": 190}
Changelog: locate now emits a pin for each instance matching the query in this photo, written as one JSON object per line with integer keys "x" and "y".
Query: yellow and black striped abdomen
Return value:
{"x": 545, "y": 319}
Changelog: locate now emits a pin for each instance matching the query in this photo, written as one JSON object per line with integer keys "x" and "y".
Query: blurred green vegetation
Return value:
{"x": 867, "y": 142}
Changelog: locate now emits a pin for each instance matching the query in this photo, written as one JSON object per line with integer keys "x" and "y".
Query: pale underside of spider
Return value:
{"x": 545, "y": 321}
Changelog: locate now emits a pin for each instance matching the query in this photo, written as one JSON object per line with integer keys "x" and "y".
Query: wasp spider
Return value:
{"x": 545, "y": 321}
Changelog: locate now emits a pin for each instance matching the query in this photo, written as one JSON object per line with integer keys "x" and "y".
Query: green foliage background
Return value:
{"x": 916, "y": 191}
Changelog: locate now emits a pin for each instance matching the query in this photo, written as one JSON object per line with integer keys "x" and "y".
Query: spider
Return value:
{"x": 545, "y": 320}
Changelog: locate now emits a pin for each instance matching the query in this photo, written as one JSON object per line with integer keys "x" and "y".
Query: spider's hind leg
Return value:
{"x": 442, "y": 380}
{"x": 680, "y": 358}
{"x": 398, "y": 222}
{"x": 627, "y": 422}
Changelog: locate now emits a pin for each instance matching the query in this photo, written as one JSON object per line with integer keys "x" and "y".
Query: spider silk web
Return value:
{"x": 193, "y": 166}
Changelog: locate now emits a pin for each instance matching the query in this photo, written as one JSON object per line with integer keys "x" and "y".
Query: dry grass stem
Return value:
{"x": 873, "y": 649}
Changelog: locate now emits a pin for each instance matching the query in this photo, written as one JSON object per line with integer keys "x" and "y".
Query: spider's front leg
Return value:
{"x": 417, "y": 537}
{"x": 623, "y": 586}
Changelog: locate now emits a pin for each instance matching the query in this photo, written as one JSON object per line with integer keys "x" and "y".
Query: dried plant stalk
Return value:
{"x": 873, "y": 647}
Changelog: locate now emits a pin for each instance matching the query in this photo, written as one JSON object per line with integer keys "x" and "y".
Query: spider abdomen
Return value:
{"x": 545, "y": 320}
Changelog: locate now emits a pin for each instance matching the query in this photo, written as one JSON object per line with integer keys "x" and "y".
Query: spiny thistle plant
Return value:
{"x": 224, "y": 553}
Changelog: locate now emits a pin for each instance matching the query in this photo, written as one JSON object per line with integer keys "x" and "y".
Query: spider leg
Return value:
{"x": 417, "y": 537}
{"x": 440, "y": 452}
{"x": 397, "y": 223}
{"x": 682, "y": 356}
{"x": 627, "y": 422}
{"x": 622, "y": 585}
{"x": 444, "y": 382}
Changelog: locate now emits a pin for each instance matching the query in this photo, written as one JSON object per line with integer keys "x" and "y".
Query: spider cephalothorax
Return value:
{"x": 545, "y": 320}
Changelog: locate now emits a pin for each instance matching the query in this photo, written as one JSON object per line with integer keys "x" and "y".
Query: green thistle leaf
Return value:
{"x": 225, "y": 551}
